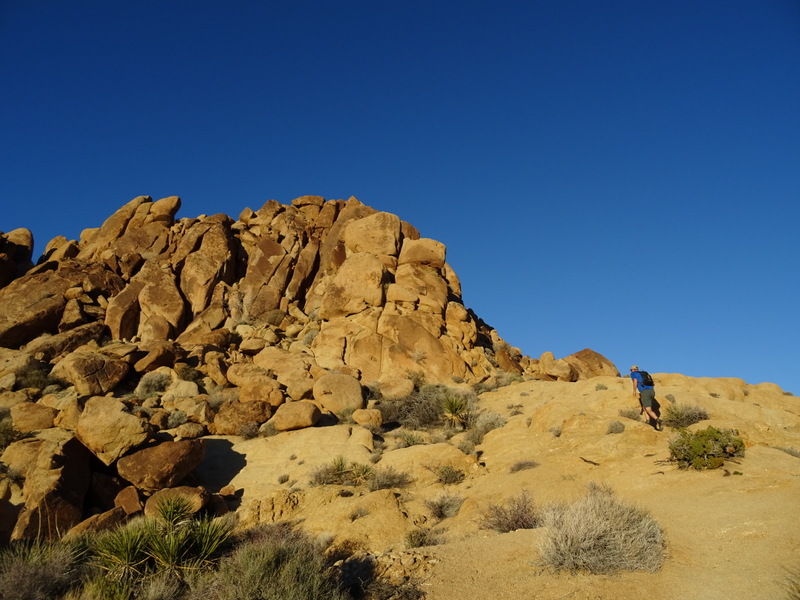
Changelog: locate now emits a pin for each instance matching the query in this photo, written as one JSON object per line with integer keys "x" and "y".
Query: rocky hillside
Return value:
{"x": 124, "y": 349}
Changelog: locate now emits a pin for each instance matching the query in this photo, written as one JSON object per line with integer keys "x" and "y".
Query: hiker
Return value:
{"x": 644, "y": 389}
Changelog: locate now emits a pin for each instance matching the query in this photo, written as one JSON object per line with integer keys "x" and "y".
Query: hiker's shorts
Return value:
{"x": 648, "y": 396}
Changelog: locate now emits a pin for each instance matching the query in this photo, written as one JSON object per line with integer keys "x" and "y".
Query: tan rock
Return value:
{"x": 108, "y": 430}
{"x": 422, "y": 251}
{"x": 550, "y": 368}
{"x": 105, "y": 521}
{"x": 377, "y": 234}
{"x": 234, "y": 416}
{"x": 128, "y": 499}
{"x": 358, "y": 284}
{"x": 92, "y": 373}
{"x": 368, "y": 417}
{"x": 53, "y": 347}
{"x": 587, "y": 363}
{"x": 337, "y": 393}
{"x": 197, "y": 497}
{"x": 29, "y": 416}
{"x": 295, "y": 415}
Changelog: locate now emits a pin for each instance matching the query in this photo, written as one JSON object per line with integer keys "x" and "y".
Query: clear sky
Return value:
{"x": 619, "y": 175}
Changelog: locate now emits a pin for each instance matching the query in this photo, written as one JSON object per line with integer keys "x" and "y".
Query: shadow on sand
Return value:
{"x": 220, "y": 465}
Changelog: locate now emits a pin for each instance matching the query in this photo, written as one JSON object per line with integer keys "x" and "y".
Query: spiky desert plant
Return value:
{"x": 40, "y": 569}
{"x": 340, "y": 472}
{"x": 456, "y": 411}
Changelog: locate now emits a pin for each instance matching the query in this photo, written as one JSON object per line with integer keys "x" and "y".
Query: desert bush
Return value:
{"x": 600, "y": 387}
{"x": 448, "y": 475}
{"x": 173, "y": 544}
{"x": 35, "y": 377}
{"x": 188, "y": 373}
{"x": 152, "y": 384}
{"x": 444, "y": 506}
{"x": 615, "y": 427}
{"x": 272, "y": 563}
{"x": 423, "y": 536}
{"x": 248, "y": 430}
{"x": 40, "y": 570}
{"x": 670, "y": 398}
{"x": 630, "y": 413}
{"x": 517, "y": 513}
{"x": 340, "y": 472}
{"x": 600, "y": 534}
{"x": 484, "y": 423}
{"x": 176, "y": 419}
{"x": 388, "y": 478}
{"x": 8, "y": 434}
{"x": 457, "y": 411}
{"x": 409, "y": 438}
{"x": 523, "y": 465}
{"x": 556, "y": 431}
{"x": 679, "y": 416}
{"x": 705, "y": 449}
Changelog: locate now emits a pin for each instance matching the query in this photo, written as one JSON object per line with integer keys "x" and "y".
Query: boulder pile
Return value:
{"x": 120, "y": 351}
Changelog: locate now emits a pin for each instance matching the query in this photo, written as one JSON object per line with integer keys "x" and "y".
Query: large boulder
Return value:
{"x": 295, "y": 415}
{"x": 337, "y": 392}
{"x": 587, "y": 363}
{"x": 162, "y": 466}
{"x": 234, "y": 417}
{"x": 30, "y": 416}
{"x": 108, "y": 430}
{"x": 92, "y": 373}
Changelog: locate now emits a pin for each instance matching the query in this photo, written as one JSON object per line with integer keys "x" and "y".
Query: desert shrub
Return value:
{"x": 358, "y": 513}
{"x": 152, "y": 384}
{"x": 556, "y": 431}
{"x": 600, "y": 534}
{"x": 670, "y": 398}
{"x": 517, "y": 513}
{"x": 35, "y": 377}
{"x": 409, "y": 438}
{"x": 8, "y": 434}
{"x": 423, "y": 536}
{"x": 790, "y": 451}
{"x": 389, "y": 478}
{"x": 523, "y": 465}
{"x": 600, "y": 387}
{"x": 188, "y": 373}
{"x": 615, "y": 427}
{"x": 679, "y": 416}
{"x": 444, "y": 506}
{"x": 340, "y": 472}
{"x": 248, "y": 430}
{"x": 39, "y": 570}
{"x": 484, "y": 423}
{"x": 630, "y": 413}
{"x": 273, "y": 563}
{"x": 173, "y": 544}
{"x": 705, "y": 449}
{"x": 448, "y": 475}
{"x": 176, "y": 419}
{"x": 421, "y": 410}
{"x": 457, "y": 411}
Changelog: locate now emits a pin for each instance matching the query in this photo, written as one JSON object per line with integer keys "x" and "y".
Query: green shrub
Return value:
{"x": 409, "y": 438}
{"x": 705, "y": 449}
{"x": 457, "y": 411}
{"x": 444, "y": 506}
{"x": 615, "y": 427}
{"x": 600, "y": 387}
{"x": 152, "y": 384}
{"x": 523, "y": 465}
{"x": 8, "y": 435}
{"x": 448, "y": 475}
{"x": 517, "y": 513}
{"x": 426, "y": 408}
{"x": 389, "y": 478}
{"x": 600, "y": 534}
{"x": 679, "y": 416}
{"x": 35, "y": 377}
{"x": 176, "y": 419}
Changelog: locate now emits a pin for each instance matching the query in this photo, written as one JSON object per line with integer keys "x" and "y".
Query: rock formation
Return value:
{"x": 150, "y": 330}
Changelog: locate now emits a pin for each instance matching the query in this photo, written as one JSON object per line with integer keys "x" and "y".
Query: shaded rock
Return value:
{"x": 52, "y": 347}
{"x": 128, "y": 499}
{"x": 106, "y": 521}
{"x": 108, "y": 430}
{"x": 161, "y": 466}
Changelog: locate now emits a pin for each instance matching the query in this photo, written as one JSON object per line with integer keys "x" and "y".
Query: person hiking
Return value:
{"x": 644, "y": 389}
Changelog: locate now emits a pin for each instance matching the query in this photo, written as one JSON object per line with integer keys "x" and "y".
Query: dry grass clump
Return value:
{"x": 39, "y": 569}
{"x": 523, "y": 465}
{"x": 340, "y": 472}
{"x": 600, "y": 534}
{"x": 428, "y": 407}
{"x": 388, "y": 478}
{"x": 679, "y": 416}
{"x": 444, "y": 506}
{"x": 630, "y": 413}
{"x": 423, "y": 536}
{"x": 517, "y": 513}
{"x": 448, "y": 475}
{"x": 615, "y": 427}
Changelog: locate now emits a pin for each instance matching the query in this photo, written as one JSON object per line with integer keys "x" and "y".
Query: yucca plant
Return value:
{"x": 456, "y": 411}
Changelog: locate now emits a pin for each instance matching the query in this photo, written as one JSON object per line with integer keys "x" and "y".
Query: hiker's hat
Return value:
{"x": 635, "y": 368}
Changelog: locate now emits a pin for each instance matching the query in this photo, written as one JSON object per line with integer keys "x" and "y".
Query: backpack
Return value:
{"x": 646, "y": 379}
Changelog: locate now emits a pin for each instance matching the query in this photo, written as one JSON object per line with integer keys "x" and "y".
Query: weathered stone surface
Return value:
{"x": 368, "y": 417}
{"x": 108, "y": 430}
{"x": 337, "y": 393}
{"x": 587, "y": 363}
{"x": 53, "y": 347}
{"x": 358, "y": 284}
{"x": 55, "y": 486}
{"x": 291, "y": 370}
{"x": 161, "y": 466}
{"x": 128, "y": 499}
{"x": 92, "y": 373}
{"x": 550, "y": 368}
{"x": 377, "y": 234}
{"x": 105, "y": 521}
{"x": 424, "y": 252}
{"x": 234, "y": 416}
{"x": 295, "y": 415}
{"x": 29, "y": 416}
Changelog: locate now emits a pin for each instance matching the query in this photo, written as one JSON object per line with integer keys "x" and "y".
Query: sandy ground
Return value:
{"x": 731, "y": 533}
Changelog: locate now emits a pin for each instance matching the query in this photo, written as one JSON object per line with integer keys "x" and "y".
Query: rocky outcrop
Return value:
{"x": 151, "y": 332}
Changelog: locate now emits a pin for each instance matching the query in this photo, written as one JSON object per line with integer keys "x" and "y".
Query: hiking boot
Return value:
{"x": 659, "y": 426}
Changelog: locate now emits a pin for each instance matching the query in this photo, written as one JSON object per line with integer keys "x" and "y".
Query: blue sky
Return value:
{"x": 619, "y": 175}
